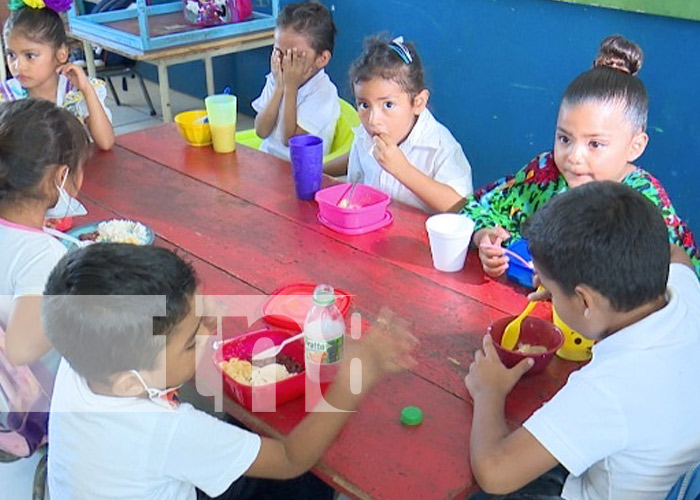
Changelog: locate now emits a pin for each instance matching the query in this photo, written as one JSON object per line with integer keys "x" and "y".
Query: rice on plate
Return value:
{"x": 122, "y": 231}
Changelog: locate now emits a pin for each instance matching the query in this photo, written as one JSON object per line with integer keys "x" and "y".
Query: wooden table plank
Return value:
{"x": 270, "y": 185}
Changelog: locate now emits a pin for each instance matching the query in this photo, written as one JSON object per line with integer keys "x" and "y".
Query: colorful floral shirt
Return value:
{"x": 67, "y": 96}
{"x": 510, "y": 201}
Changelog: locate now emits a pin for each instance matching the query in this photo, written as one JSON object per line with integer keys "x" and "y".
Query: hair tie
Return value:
{"x": 55, "y": 5}
{"x": 401, "y": 50}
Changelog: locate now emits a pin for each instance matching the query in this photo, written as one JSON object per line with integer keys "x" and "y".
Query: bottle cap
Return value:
{"x": 411, "y": 415}
{"x": 324, "y": 295}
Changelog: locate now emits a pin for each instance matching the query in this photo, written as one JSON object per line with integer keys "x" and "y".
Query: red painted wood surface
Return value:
{"x": 269, "y": 184}
{"x": 236, "y": 217}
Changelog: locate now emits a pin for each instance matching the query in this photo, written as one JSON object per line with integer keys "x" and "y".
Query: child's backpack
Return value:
{"x": 24, "y": 405}
{"x": 688, "y": 485}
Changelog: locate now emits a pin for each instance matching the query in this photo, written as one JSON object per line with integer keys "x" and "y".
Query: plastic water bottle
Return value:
{"x": 324, "y": 334}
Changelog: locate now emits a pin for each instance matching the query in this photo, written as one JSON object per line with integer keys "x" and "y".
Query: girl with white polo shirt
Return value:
{"x": 400, "y": 147}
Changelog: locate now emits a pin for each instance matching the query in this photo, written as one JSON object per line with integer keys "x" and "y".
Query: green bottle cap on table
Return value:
{"x": 411, "y": 415}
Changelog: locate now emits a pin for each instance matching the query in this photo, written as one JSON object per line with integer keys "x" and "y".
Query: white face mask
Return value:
{"x": 66, "y": 206}
{"x": 167, "y": 398}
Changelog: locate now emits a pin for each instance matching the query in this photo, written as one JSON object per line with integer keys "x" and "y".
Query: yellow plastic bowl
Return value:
{"x": 191, "y": 127}
{"x": 576, "y": 347}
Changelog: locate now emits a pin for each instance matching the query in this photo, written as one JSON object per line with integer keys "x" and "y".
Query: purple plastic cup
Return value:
{"x": 306, "y": 153}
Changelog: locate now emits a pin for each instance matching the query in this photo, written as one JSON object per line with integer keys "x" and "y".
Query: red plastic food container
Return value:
{"x": 241, "y": 347}
{"x": 371, "y": 203}
{"x": 533, "y": 331}
{"x": 288, "y": 306}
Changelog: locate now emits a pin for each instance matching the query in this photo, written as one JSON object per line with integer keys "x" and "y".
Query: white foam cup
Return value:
{"x": 449, "y": 236}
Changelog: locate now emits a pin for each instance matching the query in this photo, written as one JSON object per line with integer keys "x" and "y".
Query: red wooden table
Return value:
{"x": 237, "y": 219}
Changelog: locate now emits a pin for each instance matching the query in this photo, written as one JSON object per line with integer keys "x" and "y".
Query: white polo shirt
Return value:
{"x": 318, "y": 110}
{"x": 128, "y": 448}
{"x": 429, "y": 147}
{"x": 627, "y": 425}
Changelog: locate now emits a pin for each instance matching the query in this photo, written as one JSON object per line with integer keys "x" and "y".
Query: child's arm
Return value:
{"x": 296, "y": 69}
{"x": 337, "y": 166}
{"x": 501, "y": 461}
{"x": 266, "y": 119}
{"x": 438, "y": 196}
{"x": 679, "y": 256}
{"x": 386, "y": 350}
{"x": 24, "y": 336}
{"x": 97, "y": 122}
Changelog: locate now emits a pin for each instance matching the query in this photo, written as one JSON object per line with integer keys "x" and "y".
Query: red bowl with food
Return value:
{"x": 258, "y": 392}
{"x": 539, "y": 339}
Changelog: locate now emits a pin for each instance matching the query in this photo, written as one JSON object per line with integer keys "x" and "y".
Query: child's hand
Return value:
{"x": 488, "y": 377}
{"x": 296, "y": 68}
{"x": 492, "y": 255}
{"x": 276, "y": 66}
{"x": 388, "y": 346}
{"x": 388, "y": 154}
{"x": 76, "y": 75}
{"x": 540, "y": 293}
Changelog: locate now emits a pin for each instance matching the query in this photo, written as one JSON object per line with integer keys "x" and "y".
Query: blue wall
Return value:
{"x": 497, "y": 69}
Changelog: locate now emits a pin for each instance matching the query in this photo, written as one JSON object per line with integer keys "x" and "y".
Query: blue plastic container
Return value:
{"x": 518, "y": 272}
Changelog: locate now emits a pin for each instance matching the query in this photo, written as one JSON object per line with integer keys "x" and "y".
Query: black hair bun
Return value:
{"x": 619, "y": 53}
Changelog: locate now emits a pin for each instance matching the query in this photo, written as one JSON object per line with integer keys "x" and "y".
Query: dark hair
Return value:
{"x": 35, "y": 136}
{"x": 605, "y": 235}
{"x": 311, "y": 19}
{"x": 612, "y": 79}
{"x": 97, "y": 309}
{"x": 38, "y": 25}
{"x": 379, "y": 59}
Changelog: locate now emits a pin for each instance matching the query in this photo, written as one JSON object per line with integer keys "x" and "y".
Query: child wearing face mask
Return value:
{"x": 124, "y": 317}
{"x": 34, "y": 182}
{"x": 600, "y": 133}
{"x": 400, "y": 147}
{"x": 298, "y": 96}
{"x": 37, "y": 55}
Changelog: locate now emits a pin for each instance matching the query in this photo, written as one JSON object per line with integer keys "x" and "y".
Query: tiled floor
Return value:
{"x": 133, "y": 114}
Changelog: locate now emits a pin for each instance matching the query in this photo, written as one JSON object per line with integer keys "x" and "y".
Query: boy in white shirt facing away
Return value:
{"x": 298, "y": 96}
{"x": 625, "y": 426}
{"x": 116, "y": 430}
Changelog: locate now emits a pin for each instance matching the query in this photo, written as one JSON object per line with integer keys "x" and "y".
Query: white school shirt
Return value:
{"x": 27, "y": 257}
{"x": 318, "y": 110}
{"x": 127, "y": 448}
{"x": 627, "y": 424}
{"x": 429, "y": 147}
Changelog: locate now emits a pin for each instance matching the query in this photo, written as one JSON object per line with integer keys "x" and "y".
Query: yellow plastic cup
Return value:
{"x": 575, "y": 347}
{"x": 221, "y": 109}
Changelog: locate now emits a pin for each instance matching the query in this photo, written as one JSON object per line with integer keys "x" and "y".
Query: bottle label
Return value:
{"x": 323, "y": 352}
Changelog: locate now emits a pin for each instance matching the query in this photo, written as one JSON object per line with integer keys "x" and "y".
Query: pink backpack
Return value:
{"x": 24, "y": 404}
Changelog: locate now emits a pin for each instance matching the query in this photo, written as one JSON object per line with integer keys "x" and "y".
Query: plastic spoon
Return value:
{"x": 347, "y": 197}
{"x": 275, "y": 349}
{"x": 511, "y": 333}
{"x": 58, "y": 234}
{"x": 511, "y": 253}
